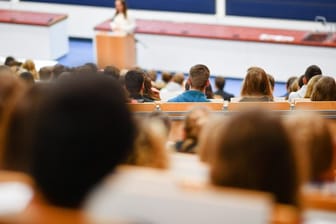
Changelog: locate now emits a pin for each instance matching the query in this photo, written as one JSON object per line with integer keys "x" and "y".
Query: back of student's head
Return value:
{"x": 311, "y": 84}
{"x": 57, "y": 70}
{"x": 255, "y": 158}
{"x": 256, "y": 83}
{"x": 166, "y": 76}
{"x": 17, "y": 128}
{"x": 27, "y": 77}
{"x": 313, "y": 144}
{"x": 312, "y": 71}
{"x": 134, "y": 81}
{"x": 271, "y": 80}
{"x": 220, "y": 82}
{"x": 9, "y": 60}
{"x": 178, "y": 78}
{"x": 112, "y": 71}
{"x": 193, "y": 124}
{"x": 199, "y": 75}
{"x": 45, "y": 73}
{"x": 289, "y": 82}
{"x": 11, "y": 87}
{"x": 149, "y": 148}
{"x": 324, "y": 89}
{"x": 82, "y": 130}
{"x": 5, "y": 70}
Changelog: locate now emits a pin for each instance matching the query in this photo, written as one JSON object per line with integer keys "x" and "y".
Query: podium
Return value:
{"x": 115, "y": 49}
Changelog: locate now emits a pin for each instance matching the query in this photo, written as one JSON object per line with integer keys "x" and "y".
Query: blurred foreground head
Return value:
{"x": 252, "y": 151}
{"x": 82, "y": 130}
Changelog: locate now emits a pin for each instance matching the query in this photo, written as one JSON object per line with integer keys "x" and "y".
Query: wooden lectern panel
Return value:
{"x": 115, "y": 50}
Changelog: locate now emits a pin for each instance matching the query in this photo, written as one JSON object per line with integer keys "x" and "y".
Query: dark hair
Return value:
{"x": 256, "y": 159}
{"x": 312, "y": 71}
{"x": 148, "y": 92}
{"x": 58, "y": 69}
{"x": 112, "y": 71}
{"x": 324, "y": 89}
{"x": 300, "y": 81}
{"x": 9, "y": 60}
{"x": 199, "y": 76}
{"x": 45, "y": 73}
{"x": 28, "y": 77}
{"x": 82, "y": 130}
{"x": 209, "y": 93}
{"x": 220, "y": 82}
{"x": 134, "y": 80}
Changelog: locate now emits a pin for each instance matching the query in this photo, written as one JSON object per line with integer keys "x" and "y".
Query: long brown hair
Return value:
{"x": 256, "y": 83}
{"x": 255, "y": 158}
{"x": 123, "y": 2}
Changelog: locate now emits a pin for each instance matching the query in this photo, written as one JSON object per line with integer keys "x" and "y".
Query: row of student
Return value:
{"x": 257, "y": 85}
{"x": 68, "y": 135}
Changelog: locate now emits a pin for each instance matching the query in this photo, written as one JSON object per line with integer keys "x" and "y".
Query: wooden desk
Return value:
{"x": 33, "y": 35}
{"x": 117, "y": 50}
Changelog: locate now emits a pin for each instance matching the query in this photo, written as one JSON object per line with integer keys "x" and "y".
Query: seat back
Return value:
{"x": 316, "y": 105}
{"x": 185, "y": 107}
{"x": 142, "y": 107}
{"x": 237, "y": 106}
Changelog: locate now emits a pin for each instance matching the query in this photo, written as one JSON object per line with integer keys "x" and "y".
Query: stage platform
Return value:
{"x": 230, "y": 50}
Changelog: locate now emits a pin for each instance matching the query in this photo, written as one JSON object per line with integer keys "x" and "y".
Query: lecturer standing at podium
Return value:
{"x": 121, "y": 22}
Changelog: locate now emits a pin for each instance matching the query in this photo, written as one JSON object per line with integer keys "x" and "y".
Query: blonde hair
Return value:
{"x": 29, "y": 65}
{"x": 311, "y": 84}
{"x": 149, "y": 149}
{"x": 209, "y": 137}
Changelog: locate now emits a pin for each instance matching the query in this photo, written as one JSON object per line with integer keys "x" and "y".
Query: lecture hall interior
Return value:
{"x": 168, "y": 112}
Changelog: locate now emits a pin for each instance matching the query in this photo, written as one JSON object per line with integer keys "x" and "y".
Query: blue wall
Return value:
{"x": 284, "y": 9}
{"x": 194, "y": 6}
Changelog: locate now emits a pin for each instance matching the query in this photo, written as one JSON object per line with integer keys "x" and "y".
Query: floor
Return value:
{"x": 81, "y": 52}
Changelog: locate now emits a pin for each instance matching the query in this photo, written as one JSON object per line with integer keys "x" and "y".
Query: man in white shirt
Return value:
{"x": 310, "y": 72}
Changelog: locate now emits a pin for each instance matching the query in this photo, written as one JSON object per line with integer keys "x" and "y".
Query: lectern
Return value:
{"x": 115, "y": 49}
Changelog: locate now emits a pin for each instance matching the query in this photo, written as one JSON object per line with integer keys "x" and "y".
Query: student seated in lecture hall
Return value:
{"x": 310, "y": 72}
{"x": 198, "y": 80}
{"x": 256, "y": 86}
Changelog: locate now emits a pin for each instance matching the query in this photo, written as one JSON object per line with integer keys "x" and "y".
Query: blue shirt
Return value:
{"x": 190, "y": 96}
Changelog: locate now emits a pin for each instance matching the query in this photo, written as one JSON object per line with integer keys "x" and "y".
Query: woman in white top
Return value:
{"x": 121, "y": 22}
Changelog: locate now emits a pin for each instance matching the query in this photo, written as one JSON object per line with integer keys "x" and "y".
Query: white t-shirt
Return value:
{"x": 122, "y": 24}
